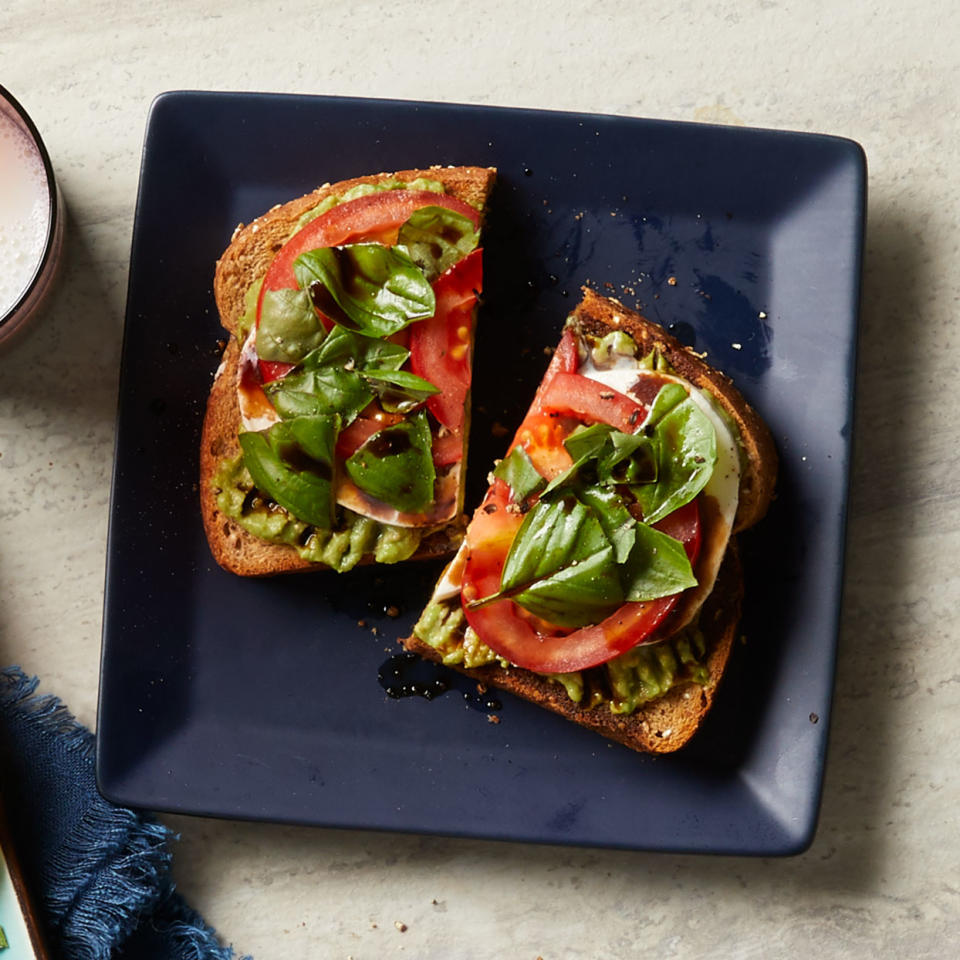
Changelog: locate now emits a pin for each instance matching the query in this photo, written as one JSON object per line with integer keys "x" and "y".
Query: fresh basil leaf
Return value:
{"x": 587, "y": 441}
{"x": 289, "y": 326}
{"x": 329, "y": 381}
{"x": 436, "y": 238}
{"x": 583, "y": 445}
{"x": 576, "y": 596}
{"x": 684, "y": 447}
{"x": 657, "y": 566}
{"x": 319, "y": 390}
{"x": 399, "y": 390}
{"x": 355, "y": 351}
{"x": 517, "y": 471}
{"x": 616, "y": 520}
{"x": 561, "y": 566}
{"x": 395, "y": 465}
{"x": 605, "y": 455}
{"x": 293, "y": 464}
{"x": 377, "y": 289}
{"x": 627, "y": 458}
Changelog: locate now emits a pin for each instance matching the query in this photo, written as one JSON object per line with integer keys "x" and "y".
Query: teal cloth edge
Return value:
{"x": 105, "y": 891}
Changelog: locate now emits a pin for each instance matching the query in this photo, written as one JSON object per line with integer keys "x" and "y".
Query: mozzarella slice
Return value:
{"x": 721, "y": 493}
{"x": 256, "y": 411}
{"x": 443, "y": 509}
{"x": 451, "y": 580}
{"x": 724, "y": 482}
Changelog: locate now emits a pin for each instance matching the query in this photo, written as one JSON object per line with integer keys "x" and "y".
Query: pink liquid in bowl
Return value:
{"x": 31, "y": 218}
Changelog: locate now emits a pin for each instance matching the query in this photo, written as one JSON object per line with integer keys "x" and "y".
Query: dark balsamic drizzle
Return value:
{"x": 408, "y": 675}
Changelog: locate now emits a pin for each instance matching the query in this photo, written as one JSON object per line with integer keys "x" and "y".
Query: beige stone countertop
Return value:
{"x": 882, "y": 878}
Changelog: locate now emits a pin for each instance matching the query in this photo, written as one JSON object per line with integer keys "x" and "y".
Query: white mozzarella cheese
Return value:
{"x": 256, "y": 411}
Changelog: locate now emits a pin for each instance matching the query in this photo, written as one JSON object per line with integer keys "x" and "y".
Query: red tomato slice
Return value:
{"x": 376, "y": 217}
{"x": 352, "y": 438}
{"x": 273, "y": 369}
{"x": 578, "y": 396}
{"x": 448, "y": 449}
{"x": 542, "y": 436}
{"x": 565, "y": 359}
{"x": 440, "y": 345}
{"x": 503, "y": 628}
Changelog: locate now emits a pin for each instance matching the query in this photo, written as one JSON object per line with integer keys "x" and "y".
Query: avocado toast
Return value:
{"x": 336, "y": 427}
{"x": 599, "y": 577}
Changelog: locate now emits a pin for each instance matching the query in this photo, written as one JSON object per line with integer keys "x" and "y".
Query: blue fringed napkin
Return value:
{"x": 99, "y": 875}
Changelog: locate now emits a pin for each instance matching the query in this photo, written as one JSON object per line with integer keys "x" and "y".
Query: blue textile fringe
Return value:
{"x": 99, "y": 874}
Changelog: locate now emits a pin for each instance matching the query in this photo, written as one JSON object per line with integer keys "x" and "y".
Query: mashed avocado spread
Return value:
{"x": 341, "y": 549}
{"x": 645, "y": 673}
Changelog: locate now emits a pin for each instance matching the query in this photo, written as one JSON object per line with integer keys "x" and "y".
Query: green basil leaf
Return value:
{"x": 627, "y": 458}
{"x": 657, "y": 566}
{"x": 293, "y": 464}
{"x": 588, "y": 441}
{"x": 561, "y": 566}
{"x": 329, "y": 379}
{"x": 377, "y": 289}
{"x": 583, "y": 445}
{"x": 605, "y": 455}
{"x": 399, "y": 390}
{"x": 355, "y": 351}
{"x": 289, "y": 326}
{"x": 684, "y": 447}
{"x": 436, "y": 238}
{"x": 395, "y": 465}
{"x": 517, "y": 471}
{"x": 616, "y": 520}
{"x": 315, "y": 390}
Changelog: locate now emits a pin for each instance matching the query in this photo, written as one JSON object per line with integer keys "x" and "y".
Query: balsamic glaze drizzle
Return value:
{"x": 408, "y": 675}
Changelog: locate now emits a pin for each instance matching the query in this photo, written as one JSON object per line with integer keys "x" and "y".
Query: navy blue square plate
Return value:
{"x": 260, "y": 699}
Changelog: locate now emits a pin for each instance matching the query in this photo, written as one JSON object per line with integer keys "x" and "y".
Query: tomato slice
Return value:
{"x": 440, "y": 345}
{"x": 448, "y": 448}
{"x": 565, "y": 359}
{"x": 273, "y": 369}
{"x": 375, "y": 217}
{"x": 541, "y": 436}
{"x": 351, "y": 438}
{"x": 508, "y": 633}
{"x": 587, "y": 399}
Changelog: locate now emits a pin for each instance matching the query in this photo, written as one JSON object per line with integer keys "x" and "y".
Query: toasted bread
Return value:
{"x": 666, "y": 723}
{"x": 244, "y": 262}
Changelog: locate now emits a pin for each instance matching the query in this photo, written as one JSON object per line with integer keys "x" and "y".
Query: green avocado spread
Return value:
{"x": 628, "y": 681}
{"x": 341, "y": 548}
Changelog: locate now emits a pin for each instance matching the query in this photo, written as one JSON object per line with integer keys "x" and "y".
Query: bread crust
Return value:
{"x": 250, "y": 252}
{"x": 666, "y": 724}
{"x": 660, "y": 726}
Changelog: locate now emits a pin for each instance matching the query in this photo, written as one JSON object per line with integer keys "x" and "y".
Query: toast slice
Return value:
{"x": 250, "y": 534}
{"x": 653, "y": 697}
